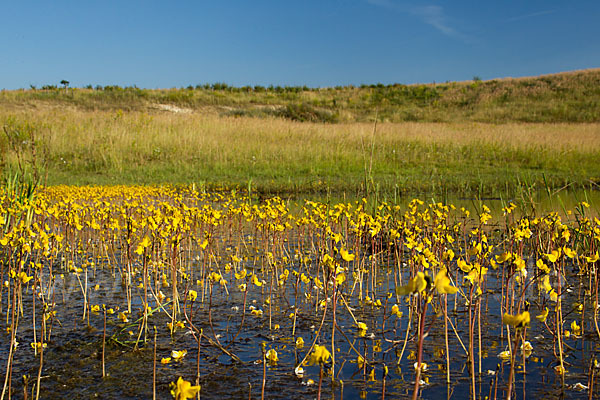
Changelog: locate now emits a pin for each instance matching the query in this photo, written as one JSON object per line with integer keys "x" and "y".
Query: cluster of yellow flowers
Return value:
{"x": 194, "y": 246}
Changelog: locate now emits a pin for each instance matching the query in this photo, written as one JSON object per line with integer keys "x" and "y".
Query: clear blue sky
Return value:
{"x": 162, "y": 44}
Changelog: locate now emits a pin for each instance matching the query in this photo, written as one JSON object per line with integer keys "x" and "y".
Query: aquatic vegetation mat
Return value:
{"x": 140, "y": 292}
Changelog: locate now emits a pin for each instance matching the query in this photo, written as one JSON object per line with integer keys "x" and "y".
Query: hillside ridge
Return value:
{"x": 571, "y": 96}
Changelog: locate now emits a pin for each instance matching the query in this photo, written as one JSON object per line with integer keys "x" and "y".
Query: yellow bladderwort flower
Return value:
{"x": 203, "y": 244}
{"x": 123, "y": 317}
{"x": 95, "y": 308}
{"x": 145, "y": 243}
{"x": 448, "y": 255}
{"x": 575, "y": 328}
{"x": 503, "y": 257}
{"x": 543, "y": 267}
{"x": 424, "y": 366}
{"x": 553, "y": 256}
{"x": 299, "y": 342}
{"x": 165, "y": 360}
{"x": 256, "y": 281}
{"x": 517, "y": 320}
{"x": 192, "y": 295}
{"x": 527, "y": 347}
{"x": 304, "y": 278}
{"x": 569, "y": 252}
{"x": 442, "y": 283}
{"x": 340, "y": 276}
{"x": 542, "y": 317}
{"x": 396, "y": 311}
{"x": 38, "y": 346}
{"x": 362, "y": 328}
{"x": 241, "y": 274}
{"x": 320, "y": 355}
{"x": 360, "y": 361}
{"x": 215, "y": 277}
{"x": 346, "y": 256}
{"x": 548, "y": 288}
{"x": 560, "y": 370}
{"x": 257, "y": 312}
{"x": 183, "y": 390}
{"x": 593, "y": 258}
{"x": 178, "y": 355}
{"x": 415, "y": 285}
{"x": 464, "y": 266}
{"x": 271, "y": 357}
{"x": 371, "y": 377}
{"x": 178, "y": 324}
{"x": 24, "y": 278}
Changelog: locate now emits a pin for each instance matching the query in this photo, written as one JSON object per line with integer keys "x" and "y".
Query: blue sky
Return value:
{"x": 163, "y": 44}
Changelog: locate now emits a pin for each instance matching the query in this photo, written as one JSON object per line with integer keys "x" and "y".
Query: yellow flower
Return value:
{"x": 346, "y": 256}
{"x": 415, "y": 285}
{"x": 192, "y": 295}
{"x": 340, "y": 278}
{"x": 575, "y": 328}
{"x": 299, "y": 342}
{"x": 183, "y": 390}
{"x": 304, "y": 279}
{"x": 24, "y": 278}
{"x": 442, "y": 283}
{"x": 540, "y": 264}
{"x": 542, "y": 317}
{"x": 518, "y": 320}
{"x": 476, "y": 274}
{"x": 560, "y": 370}
{"x": 257, "y": 313}
{"x": 165, "y": 360}
{"x": 552, "y": 257}
{"x": 177, "y": 355}
{"x": 372, "y": 375}
{"x": 272, "y": 357}
{"x": 38, "y": 346}
{"x": 256, "y": 281}
{"x": 319, "y": 355}
{"x": 424, "y": 366}
{"x": 396, "y": 311}
{"x": 241, "y": 274}
{"x": 216, "y": 277}
{"x": 360, "y": 361}
{"x": 548, "y": 288}
{"x": 448, "y": 255}
{"x": 96, "y": 308}
{"x": 142, "y": 245}
{"x": 178, "y": 324}
{"x": 593, "y": 258}
{"x": 503, "y": 257}
{"x": 123, "y": 317}
{"x": 569, "y": 252}
{"x": 527, "y": 347}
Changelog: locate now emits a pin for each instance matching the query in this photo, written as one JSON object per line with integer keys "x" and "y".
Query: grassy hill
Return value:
{"x": 564, "y": 97}
{"x": 479, "y": 137}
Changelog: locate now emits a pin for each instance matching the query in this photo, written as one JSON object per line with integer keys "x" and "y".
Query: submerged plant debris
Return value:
{"x": 128, "y": 291}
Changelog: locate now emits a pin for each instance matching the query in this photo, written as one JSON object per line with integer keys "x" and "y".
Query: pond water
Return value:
{"x": 243, "y": 317}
